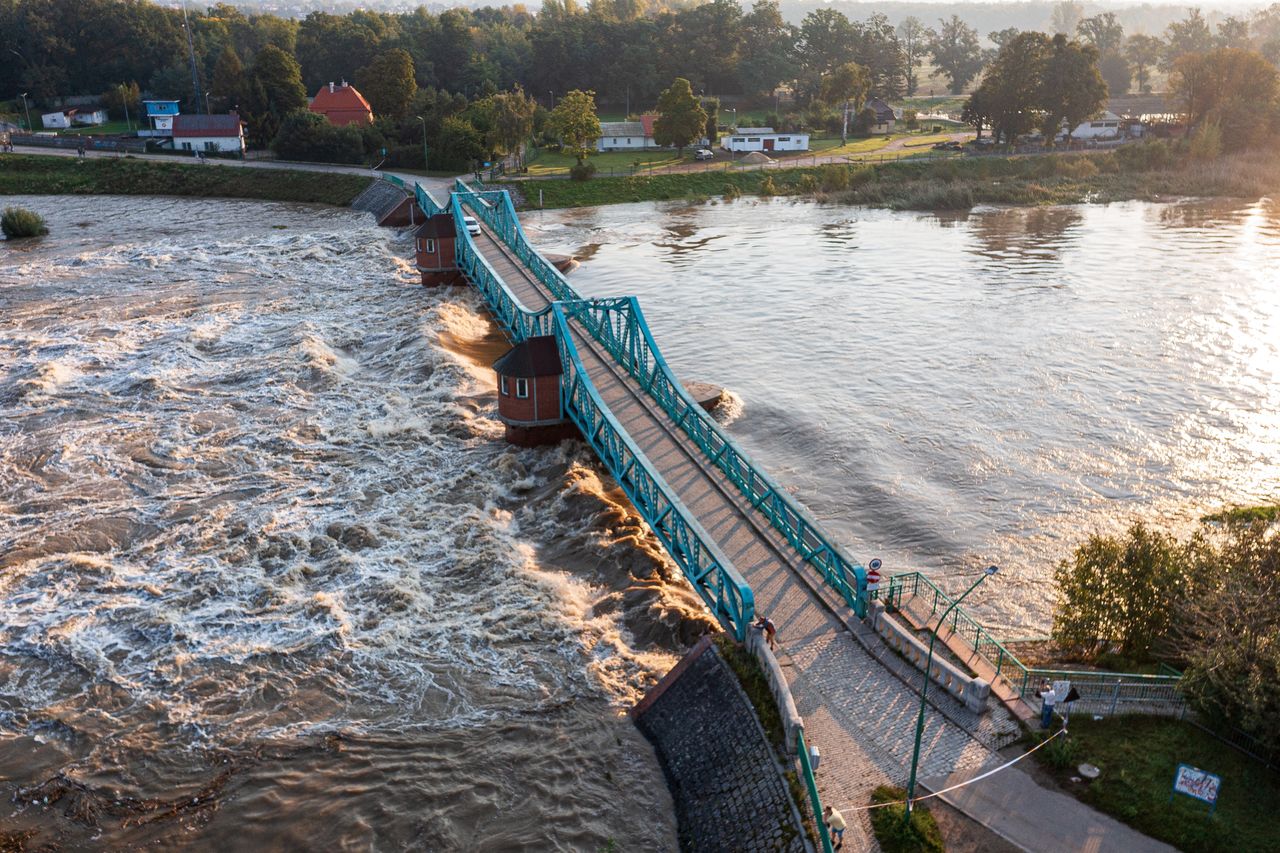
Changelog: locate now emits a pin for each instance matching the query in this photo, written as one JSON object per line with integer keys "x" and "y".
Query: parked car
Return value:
{"x": 703, "y": 154}
{"x": 473, "y": 227}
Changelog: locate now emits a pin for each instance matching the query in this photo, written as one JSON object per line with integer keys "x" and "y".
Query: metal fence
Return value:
{"x": 1107, "y": 693}
{"x": 107, "y": 143}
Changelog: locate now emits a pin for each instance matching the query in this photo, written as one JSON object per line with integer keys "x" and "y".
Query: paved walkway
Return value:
{"x": 1013, "y": 806}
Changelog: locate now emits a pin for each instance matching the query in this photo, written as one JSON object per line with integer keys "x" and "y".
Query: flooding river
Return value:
{"x": 949, "y": 391}
{"x": 269, "y": 578}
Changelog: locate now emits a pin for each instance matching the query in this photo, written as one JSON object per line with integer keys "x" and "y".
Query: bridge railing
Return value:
{"x": 710, "y": 572}
{"x": 625, "y": 334}
{"x": 1105, "y": 692}
{"x": 425, "y": 201}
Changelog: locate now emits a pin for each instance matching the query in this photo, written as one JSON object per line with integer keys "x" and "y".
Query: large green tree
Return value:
{"x": 1237, "y": 90}
{"x": 575, "y": 123}
{"x": 956, "y": 52}
{"x": 508, "y": 120}
{"x": 769, "y": 49}
{"x": 1071, "y": 87}
{"x": 1103, "y": 31}
{"x": 681, "y": 119}
{"x": 1190, "y": 35}
{"x": 1011, "y": 87}
{"x": 228, "y": 82}
{"x": 913, "y": 35}
{"x": 389, "y": 84}
{"x": 1143, "y": 53}
{"x": 847, "y": 87}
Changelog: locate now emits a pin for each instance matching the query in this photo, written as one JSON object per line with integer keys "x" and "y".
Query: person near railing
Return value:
{"x": 764, "y": 623}
{"x": 835, "y": 825}
{"x": 1048, "y": 699}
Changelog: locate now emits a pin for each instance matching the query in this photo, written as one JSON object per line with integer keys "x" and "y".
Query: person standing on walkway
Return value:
{"x": 835, "y": 825}
{"x": 764, "y": 623}
{"x": 1048, "y": 698}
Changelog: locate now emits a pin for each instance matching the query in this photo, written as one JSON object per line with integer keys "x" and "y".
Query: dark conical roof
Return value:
{"x": 533, "y": 357}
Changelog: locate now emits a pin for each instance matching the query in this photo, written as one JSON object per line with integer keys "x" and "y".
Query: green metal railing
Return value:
{"x": 1005, "y": 663}
{"x": 623, "y": 331}
{"x": 1106, "y": 691}
{"x": 815, "y": 802}
{"x": 697, "y": 554}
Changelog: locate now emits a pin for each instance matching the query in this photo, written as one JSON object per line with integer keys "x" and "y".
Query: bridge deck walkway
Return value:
{"x": 858, "y": 713}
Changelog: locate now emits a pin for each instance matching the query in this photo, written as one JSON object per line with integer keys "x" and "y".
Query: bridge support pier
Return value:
{"x": 433, "y": 252}
{"x": 529, "y": 377}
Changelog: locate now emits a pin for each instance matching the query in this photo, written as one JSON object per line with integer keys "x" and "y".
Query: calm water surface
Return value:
{"x": 948, "y": 391}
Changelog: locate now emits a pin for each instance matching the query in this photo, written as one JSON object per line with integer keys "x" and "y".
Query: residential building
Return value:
{"x": 208, "y": 133}
{"x": 342, "y": 104}
{"x": 59, "y": 120}
{"x": 885, "y": 118}
{"x": 763, "y": 139}
{"x": 89, "y": 118}
{"x": 624, "y": 135}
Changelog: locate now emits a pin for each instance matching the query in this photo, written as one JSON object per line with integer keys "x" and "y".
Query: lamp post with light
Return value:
{"x": 924, "y": 691}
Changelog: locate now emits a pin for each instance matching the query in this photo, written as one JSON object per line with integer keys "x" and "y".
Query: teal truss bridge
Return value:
{"x": 721, "y": 518}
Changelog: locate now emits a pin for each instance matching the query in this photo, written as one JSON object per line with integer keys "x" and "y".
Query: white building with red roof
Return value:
{"x": 208, "y": 133}
{"x": 342, "y": 104}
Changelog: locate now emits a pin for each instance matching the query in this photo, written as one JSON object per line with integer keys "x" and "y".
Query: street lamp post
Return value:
{"x": 424, "y": 143}
{"x": 207, "y": 111}
{"x": 26, "y": 111}
{"x": 924, "y": 691}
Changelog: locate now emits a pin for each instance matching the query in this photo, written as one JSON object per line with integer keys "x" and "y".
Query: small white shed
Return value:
{"x": 1105, "y": 125}
{"x": 60, "y": 120}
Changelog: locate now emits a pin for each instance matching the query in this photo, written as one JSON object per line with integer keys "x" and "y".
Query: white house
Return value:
{"x": 626, "y": 135}
{"x": 208, "y": 133}
{"x": 89, "y": 117}
{"x": 1105, "y": 125}
{"x": 763, "y": 139}
{"x": 61, "y": 119}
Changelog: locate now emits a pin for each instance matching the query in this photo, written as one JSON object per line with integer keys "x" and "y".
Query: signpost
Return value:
{"x": 873, "y": 578}
{"x": 1197, "y": 784}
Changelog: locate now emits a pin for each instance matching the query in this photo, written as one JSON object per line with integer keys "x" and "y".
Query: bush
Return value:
{"x": 1061, "y": 753}
{"x": 808, "y": 184}
{"x": 310, "y": 137}
{"x": 767, "y": 186}
{"x": 1143, "y": 157}
{"x": 1120, "y": 591}
{"x": 20, "y": 222}
{"x": 582, "y": 170}
{"x": 731, "y": 191}
{"x": 1206, "y": 143}
{"x": 835, "y": 177}
{"x": 895, "y": 835}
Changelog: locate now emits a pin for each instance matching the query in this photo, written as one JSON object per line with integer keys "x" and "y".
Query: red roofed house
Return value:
{"x": 208, "y": 133}
{"x": 342, "y": 105}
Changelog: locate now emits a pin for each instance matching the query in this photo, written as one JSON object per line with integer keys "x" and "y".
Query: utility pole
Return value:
{"x": 191, "y": 48}
{"x": 424, "y": 142}
{"x": 124, "y": 99}
{"x": 924, "y": 691}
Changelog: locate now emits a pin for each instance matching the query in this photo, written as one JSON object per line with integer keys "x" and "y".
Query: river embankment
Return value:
{"x": 29, "y": 174}
{"x": 1147, "y": 172}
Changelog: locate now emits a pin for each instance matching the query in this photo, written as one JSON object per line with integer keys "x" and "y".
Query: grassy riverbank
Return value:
{"x": 1144, "y": 172}
{"x": 1138, "y": 757}
{"x": 35, "y": 175}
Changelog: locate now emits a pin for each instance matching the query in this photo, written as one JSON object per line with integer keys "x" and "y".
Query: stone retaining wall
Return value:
{"x": 973, "y": 692}
{"x": 724, "y": 777}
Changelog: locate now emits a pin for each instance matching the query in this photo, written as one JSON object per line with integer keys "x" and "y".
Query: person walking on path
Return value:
{"x": 835, "y": 825}
{"x": 764, "y": 623}
{"x": 1048, "y": 698}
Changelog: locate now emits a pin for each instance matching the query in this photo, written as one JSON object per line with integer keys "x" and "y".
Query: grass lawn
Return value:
{"x": 1138, "y": 757}
{"x": 546, "y": 163}
{"x": 111, "y": 128}
{"x": 23, "y": 174}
